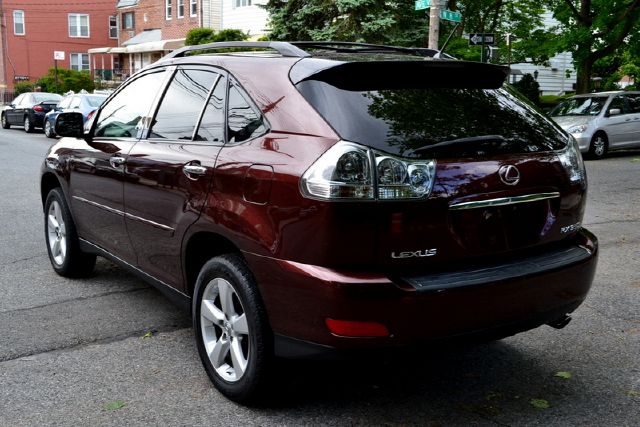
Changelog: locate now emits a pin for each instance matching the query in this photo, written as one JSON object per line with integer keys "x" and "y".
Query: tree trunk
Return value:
{"x": 584, "y": 76}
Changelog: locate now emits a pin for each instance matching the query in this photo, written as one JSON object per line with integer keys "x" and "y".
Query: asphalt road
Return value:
{"x": 74, "y": 352}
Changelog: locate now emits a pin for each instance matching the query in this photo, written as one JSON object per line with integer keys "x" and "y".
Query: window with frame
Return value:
{"x": 212, "y": 124}
{"x": 193, "y": 8}
{"x": 78, "y": 25}
{"x": 79, "y": 61}
{"x": 124, "y": 115}
{"x": 180, "y": 8}
{"x": 113, "y": 27}
{"x": 182, "y": 104}
{"x": 244, "y": 121}
{"x": 167, "y": 9}
{"x": 241, "y": 3}
{"x": 619, "y": 103}
{"x": 18, "y": 23}
{"x": 128, "y": 21}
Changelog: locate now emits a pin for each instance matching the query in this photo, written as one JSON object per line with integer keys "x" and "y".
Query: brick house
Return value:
{"x": 148, "y": 29}
{"x": 30, "y": 32}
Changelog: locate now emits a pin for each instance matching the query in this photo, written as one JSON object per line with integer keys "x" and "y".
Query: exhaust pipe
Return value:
{"x": 560, "y": 322}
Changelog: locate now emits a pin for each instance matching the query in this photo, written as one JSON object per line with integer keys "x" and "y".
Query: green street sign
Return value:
{"x": 450, "y": 15}
{"x": 422, "y": 4}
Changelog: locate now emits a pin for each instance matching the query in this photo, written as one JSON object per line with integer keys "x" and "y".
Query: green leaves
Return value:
{"x": 563, "y": 374}
{"x": 539, "y": 403}
{"x": 114, "y": 406}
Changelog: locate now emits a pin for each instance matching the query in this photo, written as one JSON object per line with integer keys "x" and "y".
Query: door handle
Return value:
{"x": 194, "y": 170}
{"x": 116, "y": 161}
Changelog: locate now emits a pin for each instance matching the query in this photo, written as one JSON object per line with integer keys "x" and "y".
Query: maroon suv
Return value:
{"x": 303, "y": 199}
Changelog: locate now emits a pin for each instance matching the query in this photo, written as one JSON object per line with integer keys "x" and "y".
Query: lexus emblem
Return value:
{"x": 509, "y": 174}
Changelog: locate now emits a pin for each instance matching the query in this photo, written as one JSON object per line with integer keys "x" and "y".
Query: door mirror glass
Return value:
{"x": 614, "y": 112}
{"x": 70, "y": 124}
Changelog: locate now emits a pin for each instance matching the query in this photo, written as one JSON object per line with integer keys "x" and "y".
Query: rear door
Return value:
{"x": 619, "y": 127}
{"x": 168, "y": 174}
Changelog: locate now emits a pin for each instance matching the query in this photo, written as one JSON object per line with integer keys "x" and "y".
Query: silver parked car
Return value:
{"x": 601, "y": 121}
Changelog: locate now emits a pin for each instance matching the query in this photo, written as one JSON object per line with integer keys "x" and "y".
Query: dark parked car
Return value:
{"x": 323, "y": 199}
{"x": 28, "y": 110}
{"x": 84, "y": 103}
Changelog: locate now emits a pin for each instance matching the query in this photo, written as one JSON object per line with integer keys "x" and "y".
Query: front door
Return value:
{"x": 97, "y": 170}
{"x": 169, "y": 173}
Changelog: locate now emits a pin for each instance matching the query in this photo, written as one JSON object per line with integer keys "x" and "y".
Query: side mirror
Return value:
{"x": 614, "y": 112}
{"x": 70, "y": 124}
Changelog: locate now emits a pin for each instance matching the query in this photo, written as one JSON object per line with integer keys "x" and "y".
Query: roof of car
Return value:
{"x": 607, "y": 93}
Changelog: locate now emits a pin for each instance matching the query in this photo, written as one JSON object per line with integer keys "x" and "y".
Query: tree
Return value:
{"x": 529, "y": 87}
{"x": 593, "y": 30}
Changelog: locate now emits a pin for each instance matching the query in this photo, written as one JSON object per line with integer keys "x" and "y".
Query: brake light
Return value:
{"x": 91, "y": 114}
{"x": 351, "y": 171}
{"x": 38, "y": 108}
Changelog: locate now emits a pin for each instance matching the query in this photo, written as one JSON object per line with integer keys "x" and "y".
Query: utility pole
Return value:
{"x": 434, "y": 24}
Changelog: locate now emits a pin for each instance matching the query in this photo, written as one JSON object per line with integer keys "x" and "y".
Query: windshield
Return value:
{"x": 95, "y": 101}
{"x": 589, "y": 106}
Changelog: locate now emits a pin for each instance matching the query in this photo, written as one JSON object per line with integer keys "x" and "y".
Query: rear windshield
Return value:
{"x": 95, "y": 101}
{"x": 43, "y": 96}
{"x": 410, "y": 122}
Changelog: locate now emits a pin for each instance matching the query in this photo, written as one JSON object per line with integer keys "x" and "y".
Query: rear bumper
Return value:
{"x": 489, "y": 301}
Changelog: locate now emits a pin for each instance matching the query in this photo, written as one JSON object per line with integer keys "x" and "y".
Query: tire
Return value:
{"x": 48, "y": 129}
{"x": 233, "y": 326}
{"x": 28, "y": 126}
{"x": 598, "y": 146}
{"x": 5, "y": 122}
{"x": 62, "y": 239}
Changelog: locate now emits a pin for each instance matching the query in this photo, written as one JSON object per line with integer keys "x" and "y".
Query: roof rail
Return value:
{"x": 350, "y": 47}
{"x": 283, "y": 48}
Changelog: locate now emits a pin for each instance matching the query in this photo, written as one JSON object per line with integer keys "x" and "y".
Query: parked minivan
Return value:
{"x": 601, "y": 122}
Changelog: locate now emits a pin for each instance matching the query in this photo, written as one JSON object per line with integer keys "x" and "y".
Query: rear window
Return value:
{"x": 95, "y": 101}
{"x": 411, "y": 121}
{"x": 43, "y": 96}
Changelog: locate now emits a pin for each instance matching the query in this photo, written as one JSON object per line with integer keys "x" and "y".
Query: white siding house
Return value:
{"x": 556, "y": 79}
{"x": 245, "y": 15}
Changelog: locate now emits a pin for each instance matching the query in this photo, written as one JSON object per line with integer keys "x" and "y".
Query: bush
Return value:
{"x": 67, "y": 80}
{"x": 22, "y": 87}
{"x": 198, "y": 36}
{"x": 529, "y": 87}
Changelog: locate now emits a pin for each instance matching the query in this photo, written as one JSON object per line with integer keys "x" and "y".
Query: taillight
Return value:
{"x": 351, "y": 171}
{"x": 38, "y": 108}
{"x": 571, "y": 159}
{"x": 91, "y": 114}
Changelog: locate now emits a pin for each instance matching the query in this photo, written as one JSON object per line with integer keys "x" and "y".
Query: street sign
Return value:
{"x": 450, "y": 15}
{"x": 58, "y": 55}
{"x": 423, "y": 4}
{"x": 487, "y": 39}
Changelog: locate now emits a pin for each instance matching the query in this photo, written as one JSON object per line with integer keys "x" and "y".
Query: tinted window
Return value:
{"x": 182, "y": 104}
{"x": 212, "y": 125}
{"x": 634, "y": 103}
{"x": 465, "y": 122}
{"x": 619, "y": 102}
{"x": 245, "y": 121}
{"x": 121, "y": 117}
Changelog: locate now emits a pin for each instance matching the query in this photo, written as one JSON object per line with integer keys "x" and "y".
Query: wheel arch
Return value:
{"x": 48, "y": 182}
{"x": 200, "y": 248}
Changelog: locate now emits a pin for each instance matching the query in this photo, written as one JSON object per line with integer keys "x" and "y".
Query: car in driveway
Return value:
{"x": 321, "y": 199}
{"x": 601, "y": 122}
{"x": 28, "y": 110}
{"x": 84, "y": 103}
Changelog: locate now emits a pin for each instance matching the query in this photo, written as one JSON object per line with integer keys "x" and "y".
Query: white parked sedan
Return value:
{"x": 601, "y": 121}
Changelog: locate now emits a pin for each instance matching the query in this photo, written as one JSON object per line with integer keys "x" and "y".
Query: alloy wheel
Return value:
{"x": 225, "y": 331}
{"x": 27, "y": 124}
{"x": 47, "y": 129}
{"x": 56, "y": 233}
{"x": 599, "y": 146}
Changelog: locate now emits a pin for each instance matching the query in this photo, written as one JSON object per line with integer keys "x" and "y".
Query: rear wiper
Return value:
{"x": 461, "y": 141}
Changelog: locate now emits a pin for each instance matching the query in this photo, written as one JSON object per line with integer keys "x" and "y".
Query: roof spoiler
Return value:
{"x": 380, "y": 75}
